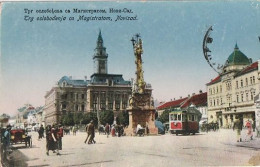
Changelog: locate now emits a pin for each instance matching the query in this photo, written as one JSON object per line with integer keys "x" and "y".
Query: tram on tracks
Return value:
{"x": 184, "y": 121}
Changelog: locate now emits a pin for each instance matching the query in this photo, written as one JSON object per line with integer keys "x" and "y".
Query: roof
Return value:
{"x": 237, "y": 58}
{"x": 197, "y": 100}
{"x": 71, "y": 82}
{"x": 251, "y": 67}
{"x": 116, "y": 78}
{"x": 175, "y": 103}
{"x": 215, "y": 80}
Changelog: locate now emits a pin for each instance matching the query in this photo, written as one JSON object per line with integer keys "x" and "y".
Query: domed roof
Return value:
{"x": 238, "y": 58}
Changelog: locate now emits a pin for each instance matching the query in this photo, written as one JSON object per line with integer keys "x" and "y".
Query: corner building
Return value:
{"x": 232, "y": 92}
{"x": 101, "y": 93}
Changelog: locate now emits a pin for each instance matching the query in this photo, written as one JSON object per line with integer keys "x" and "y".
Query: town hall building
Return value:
{"x": 102, "y": 92}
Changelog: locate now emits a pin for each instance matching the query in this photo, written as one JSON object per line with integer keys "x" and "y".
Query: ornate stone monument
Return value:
{"x": 141, "y": 105}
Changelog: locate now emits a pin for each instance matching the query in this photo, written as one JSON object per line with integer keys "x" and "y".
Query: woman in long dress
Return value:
{"x": 249, "y": 130}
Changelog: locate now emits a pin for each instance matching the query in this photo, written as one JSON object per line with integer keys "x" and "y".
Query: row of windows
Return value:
{"x": 182, "y": 117}
{"x": 77, "y": 96}
{"x": 218, "y": 89}
{"x": 252, "y": 81}
{"x": 215, "y": 90}
{"x": 240, "y": 98}
{"x": 76, "y": 107}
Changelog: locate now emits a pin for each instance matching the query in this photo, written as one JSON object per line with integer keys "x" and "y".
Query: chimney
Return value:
{"x": 193, "y": 94}
{"x": 174, "y": 99}
{"x": 70, "y": 77}
{"x": 85, "y": 78}
{"x": 188, "y": 95}
{"x": 180, "y": 97}
{"x": 200, "y": 91}
{"x": 171, "y": 99}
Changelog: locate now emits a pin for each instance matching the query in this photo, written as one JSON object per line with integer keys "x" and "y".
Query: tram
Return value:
{"x": 184, "y": 121}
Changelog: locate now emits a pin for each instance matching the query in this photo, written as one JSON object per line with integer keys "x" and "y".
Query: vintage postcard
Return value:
{"x": 129, "y": 83}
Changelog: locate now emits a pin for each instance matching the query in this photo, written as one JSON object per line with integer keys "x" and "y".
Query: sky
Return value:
{"x": 35, "y": 55}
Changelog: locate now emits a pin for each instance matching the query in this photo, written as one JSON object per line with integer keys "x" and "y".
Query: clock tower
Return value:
{"x": 100, "y": 57}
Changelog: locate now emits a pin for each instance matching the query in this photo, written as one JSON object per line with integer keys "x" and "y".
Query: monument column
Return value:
{"x": 140, "y": 109}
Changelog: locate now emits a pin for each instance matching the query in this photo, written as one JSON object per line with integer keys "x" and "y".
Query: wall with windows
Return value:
{"x": 232, "y": 95}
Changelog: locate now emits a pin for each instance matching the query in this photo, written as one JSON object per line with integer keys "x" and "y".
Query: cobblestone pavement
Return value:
{"x": 204, "y": 149}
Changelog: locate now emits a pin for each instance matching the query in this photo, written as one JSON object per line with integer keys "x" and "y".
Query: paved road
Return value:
{"x": 205, "y": 149}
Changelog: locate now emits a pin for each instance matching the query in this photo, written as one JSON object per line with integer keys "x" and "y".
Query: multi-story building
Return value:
{"x": 102, "y": 92}
{"x": 233, "y": 91}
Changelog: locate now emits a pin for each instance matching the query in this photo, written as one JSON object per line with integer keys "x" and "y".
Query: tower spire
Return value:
{"x": 100, "y": 56}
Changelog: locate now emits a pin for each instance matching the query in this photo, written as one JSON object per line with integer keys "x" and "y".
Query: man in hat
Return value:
{"x": 91, "y": 132}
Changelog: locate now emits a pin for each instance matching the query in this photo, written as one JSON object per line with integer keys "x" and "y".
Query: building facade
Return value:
{"x": 232, "y": 92}
{"x": 103, "y": 91}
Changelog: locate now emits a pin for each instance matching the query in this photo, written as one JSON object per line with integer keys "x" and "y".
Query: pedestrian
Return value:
{"x": 113, "y": 131}
{"x": 59, "y": 136}
{"x": 238, "y": 127}
{"x": 147, "y": 128}
{"x": 74, "y": 130}
{"x": 52, "y": 140}
{"x": 107, "y": 129}
{"x": 7, "y": 137}
{"x": 90, "y": 133}
{"x": 249, "y": 131}
{"x": 41, "y": 132}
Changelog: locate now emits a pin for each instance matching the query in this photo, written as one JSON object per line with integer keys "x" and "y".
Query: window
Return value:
{"x": 217, "y": 102}
{"x": 76, "y": 107}
{"x": 242, "y": 97}
{"x": 63, "y": 107}
{"x": 220, "y": 88}
{"x": 238, "y": 98}
{"x": 192, "y": 118}
{"x": 217, "y": 89}
{"x": 252, "y": 96}
{"x": 221, "y": 101}
{"x": 82, "y": 96}
{"x": 241, "y": 83}
{"x": 237, "y": 84}
{"x": 210, "y": 102}
{"x": 246, "y": 96}
{"x": 253, "y": 79}
{"x": 179, "y": 117}
{"x": 246, "y": 82}
{"x": 214, "y": 102}
{"x": 82, "y": 107}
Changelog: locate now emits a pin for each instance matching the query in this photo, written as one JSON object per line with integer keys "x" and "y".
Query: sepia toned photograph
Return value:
{"x": 129, "y": 83}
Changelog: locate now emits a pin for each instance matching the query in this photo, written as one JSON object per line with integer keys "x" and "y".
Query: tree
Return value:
{"x": 77, "y": 117}
{"x": 123, "y": 118}
{"x": 164, "y": 117}
{"x": 106, "y": 117}
{"x": 67, "y": 119}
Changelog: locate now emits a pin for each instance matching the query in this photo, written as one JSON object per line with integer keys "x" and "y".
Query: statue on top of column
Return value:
{"x": 138, "y": 50}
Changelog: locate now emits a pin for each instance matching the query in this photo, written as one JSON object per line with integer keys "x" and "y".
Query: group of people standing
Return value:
{"x": 238, "y": 126}
{"x": 54, "y": 136}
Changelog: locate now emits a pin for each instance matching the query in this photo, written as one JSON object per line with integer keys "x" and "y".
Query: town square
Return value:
{"x": 170, "y": 84}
